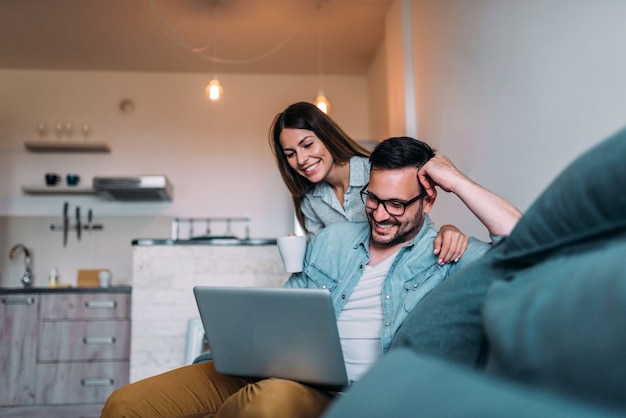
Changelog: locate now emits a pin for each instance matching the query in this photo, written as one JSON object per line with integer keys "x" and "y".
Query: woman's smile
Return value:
{"x": 308, "y": 169}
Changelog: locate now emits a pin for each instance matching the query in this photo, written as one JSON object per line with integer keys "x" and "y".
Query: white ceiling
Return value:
{"x": 159, "y": 35}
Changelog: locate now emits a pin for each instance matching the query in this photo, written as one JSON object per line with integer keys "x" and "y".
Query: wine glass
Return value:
{"x": 59, "y": 129}
{"x": 85, "y": 129}
{"x": 69, "y": 129}
{"x": 41, "y": 129}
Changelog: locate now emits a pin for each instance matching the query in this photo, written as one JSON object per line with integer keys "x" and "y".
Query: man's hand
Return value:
{"x": 439, "y": 171}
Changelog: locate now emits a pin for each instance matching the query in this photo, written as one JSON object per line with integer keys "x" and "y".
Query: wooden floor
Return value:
{"x": 61, "y": 411}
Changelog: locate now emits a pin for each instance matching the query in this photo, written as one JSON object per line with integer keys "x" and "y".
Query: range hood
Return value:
{"x": 134, "y": 188}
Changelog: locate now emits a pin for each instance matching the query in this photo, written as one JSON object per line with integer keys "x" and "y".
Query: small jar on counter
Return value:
{"x": 53, "y": 277}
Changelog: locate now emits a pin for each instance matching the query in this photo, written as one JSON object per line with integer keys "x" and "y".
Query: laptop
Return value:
{"x": 273, "y": 332}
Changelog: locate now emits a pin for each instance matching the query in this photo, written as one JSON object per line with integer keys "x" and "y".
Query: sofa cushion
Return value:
{"x": 406, "y": 385}
{"x": 559, "y": 320}
{"x": 561, "y": 324}
{"x": 448, "y": 321}
{"x": 585, "y": 201}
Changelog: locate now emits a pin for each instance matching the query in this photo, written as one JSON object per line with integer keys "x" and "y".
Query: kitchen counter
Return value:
{"x": 164, "y": 274}
{"x": 113, "y": 289}
{"x": 205, "y": 241}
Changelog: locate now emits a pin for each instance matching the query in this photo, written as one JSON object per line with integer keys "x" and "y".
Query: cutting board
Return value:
{"x": 89, "y": 278}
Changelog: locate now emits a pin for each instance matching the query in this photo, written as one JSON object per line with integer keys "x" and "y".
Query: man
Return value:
{"x": 535, "y": 328}
{"x": 376, "y": 272}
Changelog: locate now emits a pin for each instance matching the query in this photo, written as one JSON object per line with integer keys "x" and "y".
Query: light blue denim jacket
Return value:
{"x": 336, "y": 257}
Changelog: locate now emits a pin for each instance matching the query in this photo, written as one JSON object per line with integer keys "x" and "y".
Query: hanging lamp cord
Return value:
{"x": 168, "y": 29}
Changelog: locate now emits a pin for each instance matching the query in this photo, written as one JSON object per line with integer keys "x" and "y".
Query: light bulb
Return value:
{"x": 322, "y": 102}
{"x": 214, "y": 90}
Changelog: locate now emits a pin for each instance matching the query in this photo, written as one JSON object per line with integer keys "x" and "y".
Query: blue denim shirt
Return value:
{"x": 335, "y": 260}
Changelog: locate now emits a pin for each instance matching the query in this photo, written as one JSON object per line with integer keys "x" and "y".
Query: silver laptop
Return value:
{"x": 273, "y": 332}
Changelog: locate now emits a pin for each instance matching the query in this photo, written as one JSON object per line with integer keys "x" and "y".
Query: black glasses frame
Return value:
{"x": 365, "y": 195}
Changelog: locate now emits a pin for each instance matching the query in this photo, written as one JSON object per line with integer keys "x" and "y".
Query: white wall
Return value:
{"x": 215, "y": 154}
{"x": 515, "y": 90}
{"x": 378, "y": 97}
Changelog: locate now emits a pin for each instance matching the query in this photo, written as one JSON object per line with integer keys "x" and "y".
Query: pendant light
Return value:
{"x": 214, "y": 90}
{"x": 321, "y": 101}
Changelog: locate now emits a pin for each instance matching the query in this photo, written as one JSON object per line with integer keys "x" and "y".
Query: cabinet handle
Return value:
{"x": 99, "y": 340}
{"x": 100, "y": 304}
{"x": 18, "y": 300}
{"x": 96, "y": 382}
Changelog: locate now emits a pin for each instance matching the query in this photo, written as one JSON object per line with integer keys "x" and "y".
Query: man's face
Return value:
{"x": 398, "y": 185}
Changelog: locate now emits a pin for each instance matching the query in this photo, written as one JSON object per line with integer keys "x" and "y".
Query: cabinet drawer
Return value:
{"x": 84, "y": 340}
{"x": 62, "y": 383}
{"x": 85, "y": 306}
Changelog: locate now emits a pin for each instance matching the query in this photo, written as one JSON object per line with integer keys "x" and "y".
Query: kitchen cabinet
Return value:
{"x": 84, "y": 347}
{"x": 18, "y": 347}
{"x": 67, "y": 346}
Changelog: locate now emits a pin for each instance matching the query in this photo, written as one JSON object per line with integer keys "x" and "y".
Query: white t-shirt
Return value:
{"x": 361, "y": 319}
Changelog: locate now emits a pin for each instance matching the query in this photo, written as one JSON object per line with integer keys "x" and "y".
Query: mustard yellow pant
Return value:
{"x": 199, "y": 391}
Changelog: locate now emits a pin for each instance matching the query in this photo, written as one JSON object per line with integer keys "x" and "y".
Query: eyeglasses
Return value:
{"x": 394, "y": 207}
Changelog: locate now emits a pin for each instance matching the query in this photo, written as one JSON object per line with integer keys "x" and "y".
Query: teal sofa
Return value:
{"x": 535, "y": 328}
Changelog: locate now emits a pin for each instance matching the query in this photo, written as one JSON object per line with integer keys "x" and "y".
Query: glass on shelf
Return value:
{"x": 85, "y": 130}
{"x": 42, "y": 130}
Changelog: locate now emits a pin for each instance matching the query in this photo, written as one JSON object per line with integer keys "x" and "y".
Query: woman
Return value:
{"x": 325, "y": 170}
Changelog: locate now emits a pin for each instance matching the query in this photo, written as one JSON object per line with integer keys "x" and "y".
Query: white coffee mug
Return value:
{"x": 104, "y": 277}
{"x": 292, "y": 249}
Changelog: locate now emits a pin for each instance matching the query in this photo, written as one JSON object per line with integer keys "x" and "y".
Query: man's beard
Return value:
{"x": 405, "y": 230}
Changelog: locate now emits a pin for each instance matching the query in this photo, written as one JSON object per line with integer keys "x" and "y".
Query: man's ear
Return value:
{"x": 429, "y": 201}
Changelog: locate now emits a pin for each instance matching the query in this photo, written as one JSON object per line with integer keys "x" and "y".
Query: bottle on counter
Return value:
{"x": 53, "y": 277}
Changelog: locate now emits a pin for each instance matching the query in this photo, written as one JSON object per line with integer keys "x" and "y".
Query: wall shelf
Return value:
{"x": 74, "y": 190}
{"x": 82, "y": 147}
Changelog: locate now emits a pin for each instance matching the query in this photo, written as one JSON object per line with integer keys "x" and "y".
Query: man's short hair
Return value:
{"x": 401, "y": 152}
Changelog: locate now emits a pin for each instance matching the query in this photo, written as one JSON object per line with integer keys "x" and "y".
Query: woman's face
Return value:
{"x": 306, "y": 154}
